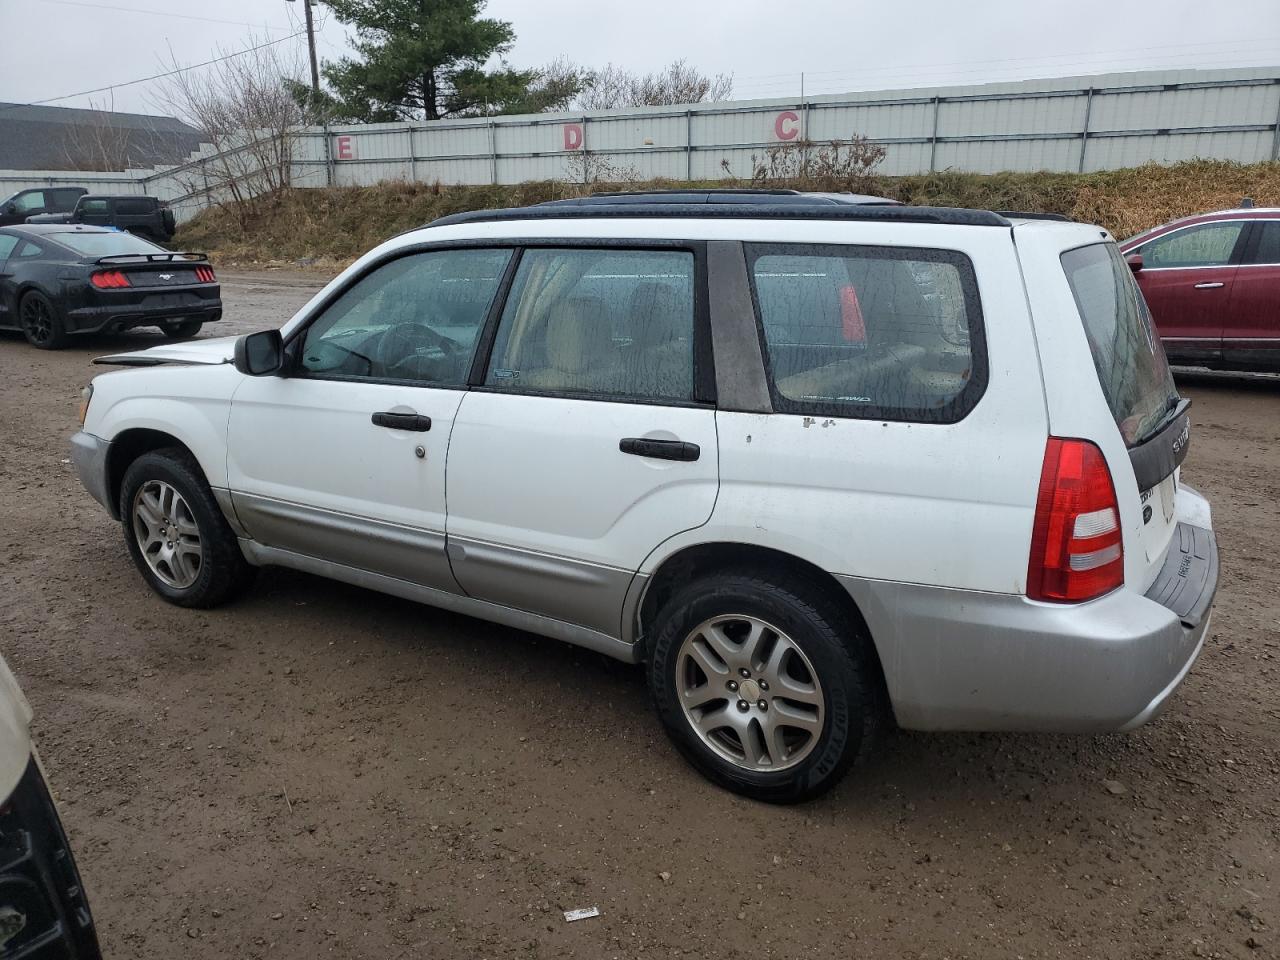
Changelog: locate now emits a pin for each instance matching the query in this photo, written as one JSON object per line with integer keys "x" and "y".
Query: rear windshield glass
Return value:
{"x": 878, "y": 332}
{"x": 105, "y": 243}
{"x": 1127, "y": 353}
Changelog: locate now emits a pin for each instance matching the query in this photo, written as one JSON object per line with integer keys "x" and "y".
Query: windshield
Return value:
{"x": 1127, "y": 353}
{"x": 104, "y": 243}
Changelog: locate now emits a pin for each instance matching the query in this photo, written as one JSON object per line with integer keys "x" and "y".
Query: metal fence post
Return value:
{"x": 933, "y": 137}
{"x": 1084, "y": 134}
{"x": 413, "y": 156}
{"x": 328, "y": 155}
{"x": 493, "y": 152}
{"x": 586, "y": 157}
{"x": 1275, "y": 137}
{"x": 688, "y": 144}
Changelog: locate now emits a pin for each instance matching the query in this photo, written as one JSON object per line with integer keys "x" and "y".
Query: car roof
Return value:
{"x": 1233, "y": 213}
{"x": 44, "y": 229}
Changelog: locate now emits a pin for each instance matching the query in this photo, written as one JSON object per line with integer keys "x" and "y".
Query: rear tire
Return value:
{"x": 41, "y": 323}
{"x": 176, "y": 533}
{"x": 791, "y": 696}
{"x": 181, "y": 330}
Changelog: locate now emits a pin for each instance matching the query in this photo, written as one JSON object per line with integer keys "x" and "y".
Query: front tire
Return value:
{"x": 40, "y": 322}
{"x": 181, "y": 329}
{"x": 764, "y": 686}
{"x": 176, "y": 533}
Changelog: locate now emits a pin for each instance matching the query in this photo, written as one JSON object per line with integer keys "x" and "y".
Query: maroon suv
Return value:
{"x": 1212, "y": 282}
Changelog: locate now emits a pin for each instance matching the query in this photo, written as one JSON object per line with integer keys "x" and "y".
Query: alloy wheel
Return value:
{"x": 750, "y": 693}
{"x": 167, "y": 534}
{"x": 37, "y": 320}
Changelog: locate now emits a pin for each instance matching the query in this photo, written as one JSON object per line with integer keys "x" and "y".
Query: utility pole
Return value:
{"x": 311, "y": 47}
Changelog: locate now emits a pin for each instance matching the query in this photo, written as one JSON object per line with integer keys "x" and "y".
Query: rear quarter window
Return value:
{"x": 887, "y": 333}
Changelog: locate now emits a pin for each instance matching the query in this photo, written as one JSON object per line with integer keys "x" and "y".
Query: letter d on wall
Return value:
{"x": 573, "y": 136}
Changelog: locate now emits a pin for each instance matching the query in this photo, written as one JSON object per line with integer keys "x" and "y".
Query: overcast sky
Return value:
{"x": 58, "y": 47}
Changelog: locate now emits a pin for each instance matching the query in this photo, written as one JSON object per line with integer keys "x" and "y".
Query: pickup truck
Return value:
{"x": 145, "y": 216}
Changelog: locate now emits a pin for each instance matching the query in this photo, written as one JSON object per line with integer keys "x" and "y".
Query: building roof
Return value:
{"x": 66, "y": 138}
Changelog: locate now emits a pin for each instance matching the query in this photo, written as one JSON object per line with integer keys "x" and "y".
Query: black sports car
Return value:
{"x": 58, "y": 280}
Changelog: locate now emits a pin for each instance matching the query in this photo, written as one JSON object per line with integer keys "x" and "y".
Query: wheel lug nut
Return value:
{"x": 744, "y": 673}
{"x": 764, "y": 685}
{"x": 762, "y": 703}
{"x": 744, "y": 706}
{"x": 732, "y": 684}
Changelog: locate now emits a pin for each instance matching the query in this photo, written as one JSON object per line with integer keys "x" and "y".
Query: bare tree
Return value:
{"x": 613, "y": 87}
{"x": 97, "y": 142}
{"x": 244, "y": 106}
{"x": 837, "y": 165}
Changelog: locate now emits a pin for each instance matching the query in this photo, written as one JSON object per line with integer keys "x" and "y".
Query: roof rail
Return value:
{"x": 803, "y": 208}
{"x": 715, "y": 195}
{"x": 1027, "y": 215}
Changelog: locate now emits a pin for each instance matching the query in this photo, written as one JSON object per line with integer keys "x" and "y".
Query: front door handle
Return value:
{"x": 1209, "y": 286}
{"x": 660, "y": 449}
{"x": 402, "y": 421}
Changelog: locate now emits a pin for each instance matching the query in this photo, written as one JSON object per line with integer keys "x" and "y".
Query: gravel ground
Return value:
{"x": 322, "y": 771}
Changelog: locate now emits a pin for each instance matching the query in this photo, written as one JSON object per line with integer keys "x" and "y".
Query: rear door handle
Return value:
{"x": 402, "y": 421}
{"x": 660, "y": 449}
{"x": 1209, "y": 286}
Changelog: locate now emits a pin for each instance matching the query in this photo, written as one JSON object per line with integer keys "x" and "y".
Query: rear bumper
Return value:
{"x": 148, "y": 311}
{"x": 89, "y": 456}
{"x": 44, "y": 914}
{"x": 962, "y": 660}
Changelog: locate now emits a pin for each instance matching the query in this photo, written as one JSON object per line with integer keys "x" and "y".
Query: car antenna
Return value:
{"x": 1246, "y": 203}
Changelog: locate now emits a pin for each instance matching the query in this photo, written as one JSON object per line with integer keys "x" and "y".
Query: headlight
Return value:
{"x": 85, "y": 396}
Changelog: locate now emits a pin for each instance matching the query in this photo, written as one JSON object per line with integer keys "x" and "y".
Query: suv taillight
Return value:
{"x": 109, "y": 279}
{"x": 1076, "y": 548}
{"x": 205, "y": 275}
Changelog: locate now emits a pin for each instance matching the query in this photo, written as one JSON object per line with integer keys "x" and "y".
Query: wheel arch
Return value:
{"x": 700, "y": 559}
{"x": 127, "y": 446}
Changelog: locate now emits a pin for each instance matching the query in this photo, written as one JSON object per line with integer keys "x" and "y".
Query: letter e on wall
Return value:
{"x": 344, "y": 148}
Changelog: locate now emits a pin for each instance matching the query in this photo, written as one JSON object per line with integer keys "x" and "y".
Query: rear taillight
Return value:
{"x": 205, "y": 275}
{"x": 1076, "y": 548}
{"x": 109, "y": 279}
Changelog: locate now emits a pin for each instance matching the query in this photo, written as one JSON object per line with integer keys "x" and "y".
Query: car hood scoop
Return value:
{"x": 196, "y": 351}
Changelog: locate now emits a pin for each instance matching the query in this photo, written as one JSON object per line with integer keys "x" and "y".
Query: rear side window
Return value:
{"x": 609, "y": 323}
{"x": 1127, "y": 353}
{"x": 63, "y": 200}
{"x": 887, "y": 333}
{"x": 134, "y": 208}
{"x": 94, "y": 206}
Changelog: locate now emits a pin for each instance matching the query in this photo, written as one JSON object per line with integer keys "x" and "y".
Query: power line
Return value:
{"x": 158, "y": 76}
{"x": 161, "y": 13}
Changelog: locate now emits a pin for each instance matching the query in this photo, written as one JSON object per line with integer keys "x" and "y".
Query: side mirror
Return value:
{"x": 1135, "y": 262}
{"x": 260, "y": 354}
{"x": 11, "y": 208}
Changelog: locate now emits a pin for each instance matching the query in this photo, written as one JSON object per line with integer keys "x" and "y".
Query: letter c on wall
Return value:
{"x": 786, "y": 126}
{"x": 573, "y": 136}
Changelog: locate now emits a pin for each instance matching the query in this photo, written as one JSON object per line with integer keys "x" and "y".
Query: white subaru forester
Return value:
{"x": 816, "y": 463}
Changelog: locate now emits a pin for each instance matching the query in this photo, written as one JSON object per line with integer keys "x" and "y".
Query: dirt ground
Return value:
{"x": 322, "y": 771}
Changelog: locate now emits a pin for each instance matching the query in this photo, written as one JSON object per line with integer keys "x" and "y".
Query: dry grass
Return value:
{"x": 337, "y": 225}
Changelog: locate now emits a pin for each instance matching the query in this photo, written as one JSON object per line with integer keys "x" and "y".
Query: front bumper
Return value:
{"x": 963, "y": 660}
{"x": 89, "y": 456}
{"x": 44, "y": 914}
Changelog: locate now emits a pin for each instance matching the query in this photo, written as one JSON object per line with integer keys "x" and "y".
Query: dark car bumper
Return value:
{"x": 114, "y": 311}
{"x": 43, "y": 910}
